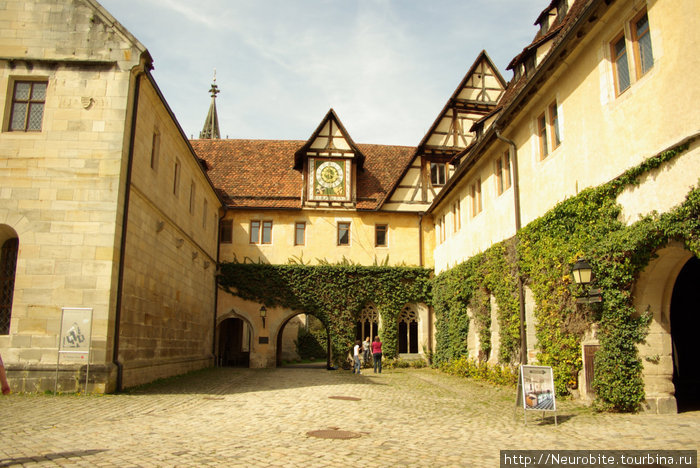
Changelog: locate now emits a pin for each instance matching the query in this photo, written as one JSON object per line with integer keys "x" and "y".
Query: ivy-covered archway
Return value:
{"x": 333, "y": 294}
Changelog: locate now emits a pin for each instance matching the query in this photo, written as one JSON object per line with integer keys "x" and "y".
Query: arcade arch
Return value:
{"x": 667, "y": 288}
{"x": 233, "y": 341}
{"x": 9, "y": 249}
{"x": 280, "y": 337}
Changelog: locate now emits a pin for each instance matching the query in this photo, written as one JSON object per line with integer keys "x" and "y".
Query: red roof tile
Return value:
{"x": 260, "y": 173}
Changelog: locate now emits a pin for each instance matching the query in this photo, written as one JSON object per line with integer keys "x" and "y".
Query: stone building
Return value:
{"x": 603, "y": 87}
{"x": 103, "y": 206}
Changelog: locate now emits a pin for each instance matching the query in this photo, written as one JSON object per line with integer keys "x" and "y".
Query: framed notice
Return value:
{"x": 536, "y": 390}
{"x": 75, "y": 339}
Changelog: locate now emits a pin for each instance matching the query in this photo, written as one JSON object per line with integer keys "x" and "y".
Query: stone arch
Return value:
{"x": 234, "y": 335}
{"x": 408, "y": 336}
{"x": 9, "y": 252}
{"x": 653, "y": 292}
{"x": 278, "y": 334}
{"x": 367, "y": 323}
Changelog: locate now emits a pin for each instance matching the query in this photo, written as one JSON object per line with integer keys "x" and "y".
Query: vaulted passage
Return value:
{"x": 685, "y": 324}
{"x": 234, "y": 343}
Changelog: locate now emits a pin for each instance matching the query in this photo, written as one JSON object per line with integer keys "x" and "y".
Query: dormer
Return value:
{"x": 329, "y": 162}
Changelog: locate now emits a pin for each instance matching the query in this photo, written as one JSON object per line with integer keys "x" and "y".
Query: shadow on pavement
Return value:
{"x": 232, "y": 380}
{"x": 48, "y": 457}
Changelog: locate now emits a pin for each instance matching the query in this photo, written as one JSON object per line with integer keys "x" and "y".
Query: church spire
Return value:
{"x": 211, "y": 124}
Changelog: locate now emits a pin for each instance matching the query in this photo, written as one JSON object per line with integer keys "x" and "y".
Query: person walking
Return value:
{"x": 366, "y": 351}
{"x": 356, "y": 356}
{"x": 377, "y": 355}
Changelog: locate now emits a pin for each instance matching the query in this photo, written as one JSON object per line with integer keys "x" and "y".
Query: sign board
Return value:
{"x": 536, "y": 390}
{"x": 75, "y": 339}
{"x": 76, "y": 331}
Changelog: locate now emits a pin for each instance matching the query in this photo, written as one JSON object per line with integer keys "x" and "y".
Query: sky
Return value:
{"x": 387, "y": 67}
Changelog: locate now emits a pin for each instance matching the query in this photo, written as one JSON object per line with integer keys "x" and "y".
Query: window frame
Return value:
{"x": 555, "y": 129}
{"x": 193, "y": 196}
{"x": 266, "y": 232}
{"x": 504, "y": 178}
{"x": 226, "y": 231}
{"x": 377, "y": 229}
{"x": 12, "y": 102}
{"x": 441, "y": 173}
{"x": 542, "y": 138}
{"x": 475, "y": 193}
{"x": 615, "y": 58}
{"x": 456, "y": 216}
{"x": 343, "y": 226}
{"x": 254, "y": 224}
{"x": 155, "y": 149}
{"x": 300, "y": 226}
{"x": 176, "y": 177}
{"x": 634, "y": 33}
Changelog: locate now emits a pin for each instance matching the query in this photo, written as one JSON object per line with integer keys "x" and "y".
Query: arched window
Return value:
{"x": 8, "y": 264}
{"x": 367, "y": 323}
{"x": 408, "y": 330}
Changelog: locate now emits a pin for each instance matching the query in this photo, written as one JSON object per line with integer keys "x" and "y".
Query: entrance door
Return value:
{"x": 234, "y": 343}
{"x": 685, "y": 324}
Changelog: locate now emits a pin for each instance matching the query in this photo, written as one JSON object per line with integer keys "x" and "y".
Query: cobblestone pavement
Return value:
{"x": 261, "y": 417}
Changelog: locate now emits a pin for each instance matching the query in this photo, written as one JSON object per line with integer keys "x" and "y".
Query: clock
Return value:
{"x": 329, "y": 174}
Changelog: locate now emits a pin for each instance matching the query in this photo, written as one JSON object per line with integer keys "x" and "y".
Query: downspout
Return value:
{"x": 420, "y": 239}
{"x": 125, "y": 219}
{"x": 216, "y": 285}
{"x": 516, "y": 200}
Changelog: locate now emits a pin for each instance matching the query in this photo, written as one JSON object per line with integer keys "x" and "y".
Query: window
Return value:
{"x": 267, "y": 232}
{"x": 456, "y": 215}
{"x": 443, "y": 228}
{"x": 155, "y": 146}
{"x": 226, "y": 231}
{"x": 176, "y": 177}
{"x": 408, "y": 330}
{"x": 367, "y": 323}
{"x": 300, "y": 233}
{"x": 503, "y": 178}
{"x": 476, "y": 197}
{"x": 644, "y": 58}
{"x": 620, "y": 67}
{"x": 192, "y": 196}
{"x": 542, "y": 136}
{"x": 554, "y": 125}
{"x": 344, "y": 233}
{"x": 380, "y": 232}
{"x": 438, "y": 231}
{"x": 204, "y": 214}
{"x": 8, "y": 265}
{"x": 27, "y": 112}
{"x": 254, "y": 232}
{"x": 438, "y": 174}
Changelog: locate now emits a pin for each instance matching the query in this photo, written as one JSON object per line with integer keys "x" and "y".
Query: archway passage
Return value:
{"x": 234, "y": 343}
{"x": 8, "y": 265}
{"x": 685, "y": 323}
{"x": 309, "y": 338}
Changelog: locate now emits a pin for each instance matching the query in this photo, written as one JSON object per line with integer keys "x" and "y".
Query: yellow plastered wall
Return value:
{"x": 602, "y": 134}
{"x": 321, "y": 237}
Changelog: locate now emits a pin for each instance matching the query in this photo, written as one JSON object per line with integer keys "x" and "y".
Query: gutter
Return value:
{"x": 125, "y": 219}
{"x": 516, "y": 201}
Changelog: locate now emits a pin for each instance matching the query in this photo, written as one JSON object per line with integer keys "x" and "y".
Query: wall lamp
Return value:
{"x": 263, "y": 314}
{"x": 582, "y": 273}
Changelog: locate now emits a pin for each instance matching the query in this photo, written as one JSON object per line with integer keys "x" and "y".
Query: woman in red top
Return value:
{"x": 377, "y": 354}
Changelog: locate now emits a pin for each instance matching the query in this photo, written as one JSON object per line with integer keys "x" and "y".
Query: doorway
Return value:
{"x": 685, "y": 323}
{"x": 234, "y": 343}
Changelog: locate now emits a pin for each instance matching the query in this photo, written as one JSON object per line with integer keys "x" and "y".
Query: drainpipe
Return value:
{"x": 216, "y": 285}
{"x": 125, "y": 219}
{"x": 420, "y": 239}
{"x": 516, "y": 200}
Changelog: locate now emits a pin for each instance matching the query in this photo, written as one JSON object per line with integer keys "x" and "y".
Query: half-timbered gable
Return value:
{"x": 329, "y": 162}
{"x": 450, "y": 134}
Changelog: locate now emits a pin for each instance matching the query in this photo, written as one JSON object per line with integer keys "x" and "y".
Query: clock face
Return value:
{"x": 329, "y": 174}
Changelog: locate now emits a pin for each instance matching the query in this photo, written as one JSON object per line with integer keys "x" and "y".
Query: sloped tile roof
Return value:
{"x": 260, "y": 173}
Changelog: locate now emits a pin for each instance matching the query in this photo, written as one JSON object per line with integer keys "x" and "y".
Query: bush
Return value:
{"x": 308, "y": 346}
{"x": 499, "y": 375}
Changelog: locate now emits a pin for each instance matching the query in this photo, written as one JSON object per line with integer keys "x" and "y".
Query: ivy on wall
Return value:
{"x": 585, "y": 225}
{"x": 335, "y": 294}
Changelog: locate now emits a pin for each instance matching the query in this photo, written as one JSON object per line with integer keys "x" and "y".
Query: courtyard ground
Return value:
{"x": 263, "y": 417}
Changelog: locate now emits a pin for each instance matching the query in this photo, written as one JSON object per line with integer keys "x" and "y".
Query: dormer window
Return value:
{"x": 438, "y": 174}
{"x": 562, "y": 9}
{"x": 530, "y": 65}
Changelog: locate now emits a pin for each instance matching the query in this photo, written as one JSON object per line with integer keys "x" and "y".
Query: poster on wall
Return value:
{"x": 537, "y": 383}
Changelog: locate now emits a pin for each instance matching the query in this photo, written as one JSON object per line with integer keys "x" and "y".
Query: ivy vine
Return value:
{"x": 584, "y": 225}
{"x": 335, "y": 294}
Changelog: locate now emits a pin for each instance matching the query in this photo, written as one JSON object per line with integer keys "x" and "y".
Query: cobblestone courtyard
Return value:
{"x": 243, "y": 417}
